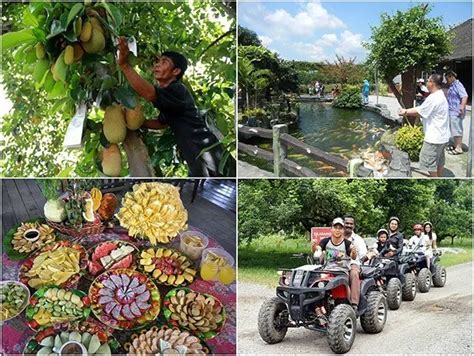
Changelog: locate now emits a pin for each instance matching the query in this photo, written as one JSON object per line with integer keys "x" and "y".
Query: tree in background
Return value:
{"x": 344, "y": 71}
{"x": 247, "y": 37}
{"x": 407, "y": 43}
{"x": 292, "y": 207}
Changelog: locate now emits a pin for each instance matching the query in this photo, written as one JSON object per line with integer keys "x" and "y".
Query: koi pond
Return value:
{"x": 340, "y": 132}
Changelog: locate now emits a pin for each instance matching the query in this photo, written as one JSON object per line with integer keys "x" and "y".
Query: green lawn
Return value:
{"x": 260, "y": 260}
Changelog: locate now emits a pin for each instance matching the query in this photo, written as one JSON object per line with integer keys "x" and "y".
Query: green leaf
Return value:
{"x": 61, "y": 67}
{"x": 42, "y": 65}
{"x": 66, "y": 172}
{"x": 56, "y": 29}
{"x": 29, "y": 19}
{"x": 13, "y": 39}
{"x": 57, "y": 91}
{"x": 7, "y": 241}
{"x": 76, "y": 9}
{"x": 126, "y": 97}
{"x": 114, "y": 14}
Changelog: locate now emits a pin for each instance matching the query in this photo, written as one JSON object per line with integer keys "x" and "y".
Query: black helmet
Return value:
{"x": 380, "y": 231}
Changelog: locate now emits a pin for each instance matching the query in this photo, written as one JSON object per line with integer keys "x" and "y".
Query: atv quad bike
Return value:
{"x": 390, "y": 277}
{"x": 416, "y": 261}
{"x": 316, "y": 297}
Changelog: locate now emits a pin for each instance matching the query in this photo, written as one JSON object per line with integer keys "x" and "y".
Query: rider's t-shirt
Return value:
{"x": 333, "y": 251}
{"x": 418, "y": 243}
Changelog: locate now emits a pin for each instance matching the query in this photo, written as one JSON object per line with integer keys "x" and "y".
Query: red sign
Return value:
{"x": 317, "y": 233}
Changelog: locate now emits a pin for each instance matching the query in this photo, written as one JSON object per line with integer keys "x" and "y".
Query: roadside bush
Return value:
{"x": 410, "y": 139}
{"x": 349, "y": 99}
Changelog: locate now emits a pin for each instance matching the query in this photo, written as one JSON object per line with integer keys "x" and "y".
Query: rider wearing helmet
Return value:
{"x": 417, "y": 242}
{"x": 382, "y": 236}
{"x": 394, "y": 245}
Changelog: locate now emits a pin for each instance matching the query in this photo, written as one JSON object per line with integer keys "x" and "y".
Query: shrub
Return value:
{"x": 349, "y": 99}
{"x": 410, "y": 139}
{"x": 256, "y": 113}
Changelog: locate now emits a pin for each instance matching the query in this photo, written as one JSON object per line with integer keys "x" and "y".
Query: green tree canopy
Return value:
{"x": 407, "y": 43}
{"x": 294, "y": 206}
{"x": 247, "y": 37}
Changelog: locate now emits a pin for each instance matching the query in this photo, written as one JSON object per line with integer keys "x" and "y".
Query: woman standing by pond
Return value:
{"x": 365, "y": 92}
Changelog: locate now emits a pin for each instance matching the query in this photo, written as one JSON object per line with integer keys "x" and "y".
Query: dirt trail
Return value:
{"x": 440, "y": 321}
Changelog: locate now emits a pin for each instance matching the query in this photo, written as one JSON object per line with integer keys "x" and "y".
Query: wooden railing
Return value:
{"x": 281, "y": 141}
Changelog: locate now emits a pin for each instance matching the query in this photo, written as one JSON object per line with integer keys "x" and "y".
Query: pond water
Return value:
{"x": 340, "y": 132}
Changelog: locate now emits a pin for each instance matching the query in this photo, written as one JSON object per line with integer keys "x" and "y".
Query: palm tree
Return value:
{"x": 252, "y": 79}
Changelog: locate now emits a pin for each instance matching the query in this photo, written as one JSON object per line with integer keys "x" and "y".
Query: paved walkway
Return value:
{"x": 246, "y": 170}
{"x": 456, "y": 166}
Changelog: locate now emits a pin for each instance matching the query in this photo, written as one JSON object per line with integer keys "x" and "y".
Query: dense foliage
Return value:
{"x": 294, "y": 206}
{"x": 407, "y": 42}
{"x": 42, "y": 106}
{"x": 410, "y": 139}
{"x": 349, "y": 99}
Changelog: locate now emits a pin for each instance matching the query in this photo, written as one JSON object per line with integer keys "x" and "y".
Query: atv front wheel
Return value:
{"x": 409, "y": 289}
{"x": 439, "y": 276}
{"x": 424, "y": 280}
{"x": 272, "y": 323}
{"x": 394, "y": 293}
{"x": 373, "y": 320}
{"x": 342, "y": 328}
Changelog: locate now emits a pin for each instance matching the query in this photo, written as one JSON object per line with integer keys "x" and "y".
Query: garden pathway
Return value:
{"x": 246, "y": 170}
{"x": 456, "y": 166}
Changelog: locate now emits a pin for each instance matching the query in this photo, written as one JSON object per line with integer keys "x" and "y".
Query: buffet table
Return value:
{"x": 16, "y": 333}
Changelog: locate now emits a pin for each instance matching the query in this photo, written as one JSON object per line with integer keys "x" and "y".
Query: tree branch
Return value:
{"x": 232, "y": 30}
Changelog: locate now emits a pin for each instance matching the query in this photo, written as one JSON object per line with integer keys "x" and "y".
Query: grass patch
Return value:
{"x": 260, "y": 260}
{"x": 452, "y": 259}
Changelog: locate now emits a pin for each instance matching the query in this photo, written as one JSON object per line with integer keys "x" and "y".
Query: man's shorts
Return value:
{"x": 455, "y": 125}
{"x": 432, "y": 156}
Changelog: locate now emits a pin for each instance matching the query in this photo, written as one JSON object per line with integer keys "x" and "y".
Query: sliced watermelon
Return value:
{"x": 123, "y": 263}
{"x": 94, "y": 267}
{"x": 102, "y": 250}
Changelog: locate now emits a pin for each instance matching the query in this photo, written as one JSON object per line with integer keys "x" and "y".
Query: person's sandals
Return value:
{"x": 455, "y": 152}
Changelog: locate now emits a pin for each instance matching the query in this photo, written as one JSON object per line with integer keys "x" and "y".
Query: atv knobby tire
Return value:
{"x": 267, "y": 328}
{"x": 409, "y": 289}
{"x": 342, "y": 328}
{"x": 439, "y": 276}
{"x": 373, "y": 320}
{"x": 424, "y": 280}
{"x": 394, "y": 293}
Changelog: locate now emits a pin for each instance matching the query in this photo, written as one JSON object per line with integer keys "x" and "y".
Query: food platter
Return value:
{"x": 88, "y": 332}
{"x": 14, "y": 298}
{"x": 60, "y": 263}
{"x": 167, "y": 266}
{"x": 201, "y": 313}
{"x": 165, "y": 340}
{"x": 53, "y": 304}
{"x": 124, "y": 299}
{"x": 110, "y": 255}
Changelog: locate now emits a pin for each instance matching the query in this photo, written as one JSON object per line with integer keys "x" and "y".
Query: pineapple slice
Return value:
{"x": 146, "y": 261}
{"x": 149, "y": 268}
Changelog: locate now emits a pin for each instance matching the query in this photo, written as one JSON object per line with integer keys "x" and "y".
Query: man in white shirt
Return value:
{"x": 419, "y": 242}
{"x": 434, "y": 113}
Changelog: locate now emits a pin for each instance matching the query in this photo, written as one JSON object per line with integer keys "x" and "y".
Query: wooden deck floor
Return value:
{"x": 212, "y": 211}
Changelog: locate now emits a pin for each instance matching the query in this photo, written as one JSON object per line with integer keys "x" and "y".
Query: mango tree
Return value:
{"x": 57, "y": 56}
{"x": 407, "y": 43}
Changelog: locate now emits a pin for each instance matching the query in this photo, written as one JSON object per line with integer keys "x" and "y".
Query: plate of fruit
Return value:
{"x": 124, "y": 299}
{"x": 60, "y": 263}
{"x": 53, "y": 304}
{"x": 165, "y": 340}
{"x": 26, "y": 238}
{"x": 201, "y": 313}
{"x": 167, "y": 266}
{"x": 110, "y": 255}
{"x": 73, "y": 338}
{"x": 13, "y": 299}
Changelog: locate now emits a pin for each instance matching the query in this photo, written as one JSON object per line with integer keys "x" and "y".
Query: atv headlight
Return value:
{"x": 321, "y": 284}
{"x": 285, "y": 277}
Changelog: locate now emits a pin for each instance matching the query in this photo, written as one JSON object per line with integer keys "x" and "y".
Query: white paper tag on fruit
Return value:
{"x": 132, "y": 45}
{"x": 73, "y": 137}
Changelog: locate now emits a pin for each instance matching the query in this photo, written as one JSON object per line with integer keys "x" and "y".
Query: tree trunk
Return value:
{"x": 409, "y": 87}
{"x": 139, "y": 163}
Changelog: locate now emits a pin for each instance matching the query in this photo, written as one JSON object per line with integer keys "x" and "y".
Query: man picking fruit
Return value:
{"x": 177, "y": 111}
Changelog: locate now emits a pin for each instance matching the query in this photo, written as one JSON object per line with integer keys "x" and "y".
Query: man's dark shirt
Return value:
{"x": 178, "y": 110}
{"x": 395, "y": 240}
